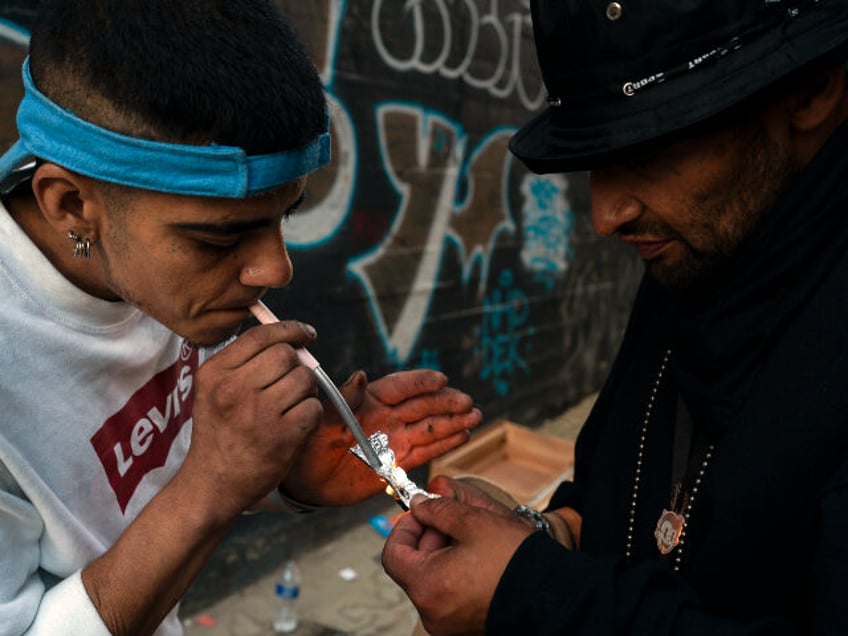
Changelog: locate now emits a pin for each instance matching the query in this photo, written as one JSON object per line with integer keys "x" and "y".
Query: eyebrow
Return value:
{"x": 233, "y": 227}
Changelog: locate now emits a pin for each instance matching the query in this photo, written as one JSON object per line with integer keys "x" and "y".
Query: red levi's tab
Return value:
{"x": 138, "y": 438}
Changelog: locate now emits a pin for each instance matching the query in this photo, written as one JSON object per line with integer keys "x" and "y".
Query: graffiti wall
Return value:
{"x": 424, "y": 243}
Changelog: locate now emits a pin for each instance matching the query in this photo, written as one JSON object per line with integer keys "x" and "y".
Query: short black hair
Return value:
{"x": 231, "y": 72}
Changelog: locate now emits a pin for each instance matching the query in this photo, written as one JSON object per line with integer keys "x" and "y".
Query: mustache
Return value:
{"x": 652, "y": 230}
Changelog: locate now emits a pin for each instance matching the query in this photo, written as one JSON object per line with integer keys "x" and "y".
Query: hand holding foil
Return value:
{"x": 399, "y": 484}
{"x": 422, "y": 416}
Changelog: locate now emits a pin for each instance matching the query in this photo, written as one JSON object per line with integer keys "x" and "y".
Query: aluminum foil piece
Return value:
{"x": 403, "y": 489}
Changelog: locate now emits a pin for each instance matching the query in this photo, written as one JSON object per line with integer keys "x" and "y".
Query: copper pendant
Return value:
{"x": 669, "y": 529}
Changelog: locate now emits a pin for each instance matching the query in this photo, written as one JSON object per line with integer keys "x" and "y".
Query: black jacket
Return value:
{"x": 761, "y": 361}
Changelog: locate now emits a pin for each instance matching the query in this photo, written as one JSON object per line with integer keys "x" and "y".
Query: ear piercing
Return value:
{"x": 82, "y": 246}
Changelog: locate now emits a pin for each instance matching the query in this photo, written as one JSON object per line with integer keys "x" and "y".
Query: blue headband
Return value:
{"x": 57, "y": 135}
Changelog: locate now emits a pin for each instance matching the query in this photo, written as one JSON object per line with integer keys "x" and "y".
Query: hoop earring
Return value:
{"x": 82, "y": 247}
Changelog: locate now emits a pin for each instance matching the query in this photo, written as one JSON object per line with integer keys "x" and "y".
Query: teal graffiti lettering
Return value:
{"x": 503, "y": 334}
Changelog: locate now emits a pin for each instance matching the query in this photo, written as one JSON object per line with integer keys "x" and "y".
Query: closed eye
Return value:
{"x": 226, "y": 236}
{"x": 293, "y": 207}
{"x": 219, "y": 243}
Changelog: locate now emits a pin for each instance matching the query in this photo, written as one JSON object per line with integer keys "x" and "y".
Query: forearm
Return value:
{"x": 565, "y": 526}
{"x": 145, "y": 573}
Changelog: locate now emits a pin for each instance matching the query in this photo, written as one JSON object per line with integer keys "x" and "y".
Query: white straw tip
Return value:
{"x": 261, "y": 312}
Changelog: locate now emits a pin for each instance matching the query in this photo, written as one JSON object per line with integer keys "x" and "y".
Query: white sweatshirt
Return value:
{"x": 95, "y": 417}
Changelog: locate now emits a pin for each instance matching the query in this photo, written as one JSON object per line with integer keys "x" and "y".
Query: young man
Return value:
{"x": 711, "y": 484}
{"x": 162, "y": 144}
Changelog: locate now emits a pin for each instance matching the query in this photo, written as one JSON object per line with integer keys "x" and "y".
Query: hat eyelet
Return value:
{"x": 614, "y": 11}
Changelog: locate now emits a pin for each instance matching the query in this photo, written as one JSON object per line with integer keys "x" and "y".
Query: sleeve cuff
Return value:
{"x": 281, "y": 501}
{"x": 67, "y": 609}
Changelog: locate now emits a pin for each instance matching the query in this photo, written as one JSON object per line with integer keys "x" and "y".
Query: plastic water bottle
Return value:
{"x": 288, "y": 590}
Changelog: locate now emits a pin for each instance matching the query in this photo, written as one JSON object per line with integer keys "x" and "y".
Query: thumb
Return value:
{"x": 353, "y": 390}
{"x": 448, "y": 516}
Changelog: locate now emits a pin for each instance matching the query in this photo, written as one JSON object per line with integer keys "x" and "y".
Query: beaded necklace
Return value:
{"x": 671, "y": 527}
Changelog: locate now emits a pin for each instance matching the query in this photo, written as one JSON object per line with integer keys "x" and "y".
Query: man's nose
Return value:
{"x": 613, "y": 205}
{"x": 268, "y": 263}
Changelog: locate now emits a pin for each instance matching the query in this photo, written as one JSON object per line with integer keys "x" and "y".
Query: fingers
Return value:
{"x": 437, "y": 427}
{"x": 479, "y": 493}
{"x": 452, "y": 586}
{"x": 403, "y": 546}
{"x": 444, "y": 514}
{"x": 264, "y": 358}
{"x": 432, "y": 540}
{"x": 469, "y": 494}
{"x": 397, "y": 387}
{"x": 478, "y": 520}
{"x": 449, "y": 487}
{"x": 416, "y": 456}
{"x": 407, "y": 531}
{"x": 255, "y": 382}
{"x": 445, "y": 401}
{"x": 269, "y": 365}
{"x": 254, "y": 341}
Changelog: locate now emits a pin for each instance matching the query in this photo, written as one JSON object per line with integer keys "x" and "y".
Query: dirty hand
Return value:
{"x": 255, "y": 404}
{"x": 421, "y": 415}
{"x": 448, "y": 555}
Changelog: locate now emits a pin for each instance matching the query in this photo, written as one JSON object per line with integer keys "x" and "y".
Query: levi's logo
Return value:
{"x": 138, "y": 438}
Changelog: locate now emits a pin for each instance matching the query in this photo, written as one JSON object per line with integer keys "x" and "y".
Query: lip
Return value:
{"x": 242, "y": 305}
{"x": 648, "y": 250}
{"x": 233, "y": 314}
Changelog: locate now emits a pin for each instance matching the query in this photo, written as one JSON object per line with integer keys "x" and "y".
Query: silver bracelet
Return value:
{"x": 536, "y": 518}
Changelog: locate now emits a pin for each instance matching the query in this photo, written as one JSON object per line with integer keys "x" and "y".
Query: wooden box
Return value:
{"x": 526, "y": 463}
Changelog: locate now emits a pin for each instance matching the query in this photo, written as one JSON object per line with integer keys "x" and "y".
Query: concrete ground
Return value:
{"x": 344, "y": 590}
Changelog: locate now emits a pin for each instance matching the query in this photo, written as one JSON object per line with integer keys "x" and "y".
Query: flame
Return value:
{"x": 391, "y": 492}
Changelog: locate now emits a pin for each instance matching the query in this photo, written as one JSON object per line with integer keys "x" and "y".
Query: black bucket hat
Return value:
{"x": 619, "y": 74}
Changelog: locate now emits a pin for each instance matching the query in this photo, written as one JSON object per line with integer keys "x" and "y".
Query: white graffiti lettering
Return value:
{"x": 507, "y": 60}
{"x": 548, "y": 224}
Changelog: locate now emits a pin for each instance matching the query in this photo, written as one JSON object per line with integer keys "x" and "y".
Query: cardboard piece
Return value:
{"x": 527, "y": 464}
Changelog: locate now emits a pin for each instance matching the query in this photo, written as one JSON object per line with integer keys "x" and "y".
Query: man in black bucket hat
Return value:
{"x": 711, "y": 479}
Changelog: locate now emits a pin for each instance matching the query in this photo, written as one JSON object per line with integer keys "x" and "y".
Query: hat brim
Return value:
{"x": 564, "y": 139}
